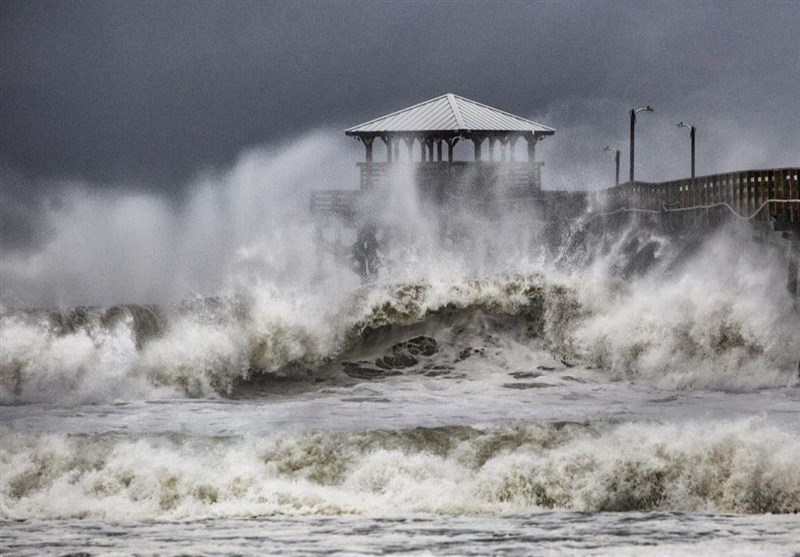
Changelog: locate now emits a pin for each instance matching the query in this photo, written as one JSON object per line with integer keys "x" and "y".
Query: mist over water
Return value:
{"x": 243, "y": 224}
{"x": 209, "y": 359}
{"x": 243, "y": 290}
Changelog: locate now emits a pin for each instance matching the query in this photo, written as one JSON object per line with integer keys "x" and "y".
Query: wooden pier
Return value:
{"x": 761, "y": 196}
{"x": 418, "y": 143}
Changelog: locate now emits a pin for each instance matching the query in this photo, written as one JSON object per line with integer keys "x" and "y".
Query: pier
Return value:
{"x": 417, "y": 146}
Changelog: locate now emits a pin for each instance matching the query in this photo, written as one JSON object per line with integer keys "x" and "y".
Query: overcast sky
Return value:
{"x": 147, "y": 95}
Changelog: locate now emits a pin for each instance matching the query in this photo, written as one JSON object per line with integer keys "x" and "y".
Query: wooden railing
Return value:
{"x": 456, "y": 175}
{"x": 760, "y": 195}
{"x": 337, "y": 203}
{"x": 767, "y": 196}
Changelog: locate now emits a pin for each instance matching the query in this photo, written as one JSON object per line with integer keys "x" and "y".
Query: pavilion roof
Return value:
{"x": 449, "y": 114}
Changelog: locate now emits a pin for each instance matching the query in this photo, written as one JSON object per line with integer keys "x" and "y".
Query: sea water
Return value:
{"x": 519, "y": 406}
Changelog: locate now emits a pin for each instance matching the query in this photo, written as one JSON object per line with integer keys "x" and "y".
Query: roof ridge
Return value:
{"x": 451, "y": 98}
{"x": 448, "y": 114}
{"x": 396, "y": 112}
{"x": 503, "y": 112}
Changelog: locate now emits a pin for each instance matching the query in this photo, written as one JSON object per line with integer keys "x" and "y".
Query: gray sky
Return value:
{"x": 147, "y": 95}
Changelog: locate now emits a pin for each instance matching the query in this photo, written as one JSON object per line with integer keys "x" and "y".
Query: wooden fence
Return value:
{"x": 758, "y": 195}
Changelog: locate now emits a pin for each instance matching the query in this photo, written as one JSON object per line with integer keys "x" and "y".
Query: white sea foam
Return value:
{"x": 717, "y": 316}
{"x": 671, "y": 331}
{"x": 742, "y": 467}
{"x": 721, "y": 319}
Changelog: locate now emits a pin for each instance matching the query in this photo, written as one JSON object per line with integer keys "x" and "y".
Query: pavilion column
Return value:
{"x": 368, "y": 145}
{"x": 439, "y": 150}
{"x": 512, "y": 147}
{"x": 397, "y": 149}
{"x": 388, "y": 143}
{"x": 477, "y": 140}
{"x": 429, "y": 143}
{"x": 423, "y": 150}
{"x": 409, "y": 145}
{"x": 532, "y": 139}
{"x": 451, "y": 144}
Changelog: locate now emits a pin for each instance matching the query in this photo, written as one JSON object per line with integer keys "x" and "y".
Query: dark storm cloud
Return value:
{"x": 146, "y": 94}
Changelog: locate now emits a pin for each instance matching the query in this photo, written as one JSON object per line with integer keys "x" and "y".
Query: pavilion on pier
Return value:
{"x": 419, "y": 142}
{"x": 427, "y": 133}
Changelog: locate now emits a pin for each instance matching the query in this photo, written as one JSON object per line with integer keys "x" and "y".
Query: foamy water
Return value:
{"x": 637, "y": 396}
{"x": 456, "y": 470}
{"x": 670, "y": 335}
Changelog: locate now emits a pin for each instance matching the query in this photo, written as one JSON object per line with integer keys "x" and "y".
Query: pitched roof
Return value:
{"x": 449, "y": 113}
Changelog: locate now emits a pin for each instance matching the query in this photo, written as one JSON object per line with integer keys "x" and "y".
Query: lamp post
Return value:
{"x": 616, "y": 160}
{"x": 692, "y": 130}
{"x": 634, "y": 112}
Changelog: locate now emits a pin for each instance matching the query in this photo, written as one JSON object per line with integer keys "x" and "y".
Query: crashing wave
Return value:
{"x": 676, "y": 334}
{"x": 743, "y": 467}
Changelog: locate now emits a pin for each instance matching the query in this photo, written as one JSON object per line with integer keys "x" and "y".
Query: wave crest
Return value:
{"x": 672, "y": 334}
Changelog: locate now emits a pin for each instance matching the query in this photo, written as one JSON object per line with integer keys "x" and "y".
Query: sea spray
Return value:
{"x": 668, "y": 332}
{"x": 717, "y": 318}
{"x": 207, "y": 346}
{"x": 235, "y": 227}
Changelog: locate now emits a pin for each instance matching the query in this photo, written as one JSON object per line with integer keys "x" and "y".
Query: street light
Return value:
{"x": 616, "y": 159}
{"x": 692, "y": 130}
{"x": 634, "y": 112}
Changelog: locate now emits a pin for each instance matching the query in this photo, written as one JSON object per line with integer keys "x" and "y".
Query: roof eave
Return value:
{"x": 356, "y": 132}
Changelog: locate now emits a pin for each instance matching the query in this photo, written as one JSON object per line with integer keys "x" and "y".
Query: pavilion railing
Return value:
{"x": 454, "y": 176}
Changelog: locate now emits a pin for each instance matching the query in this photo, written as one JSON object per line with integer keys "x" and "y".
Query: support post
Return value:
{"x": 633, "y": 131}
{"x": 691, "y": 134}
{"x": 477, "y": 141}
{"x": 409, "y": 145}
{"x": 368, "y": 145}
{"x": 451, "y": 143}
{"x": 365, "y": 252}
{"x": 532, "y": 139}
{"x": 439, "y": 150}
{"x": 616, "y": 160}
{"x": 793, "y": 279}
{"x": 388, "y": 142}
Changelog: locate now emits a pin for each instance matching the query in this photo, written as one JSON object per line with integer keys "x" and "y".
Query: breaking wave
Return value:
{"x": 208, "y": 345}
{"x": 744, "y": 467}
{"x": 676, "y": 331}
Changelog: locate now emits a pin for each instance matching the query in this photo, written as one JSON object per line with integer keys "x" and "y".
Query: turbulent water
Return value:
{"x": 552, "y": 405}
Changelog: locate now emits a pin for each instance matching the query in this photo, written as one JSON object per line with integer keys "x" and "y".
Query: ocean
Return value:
{"x": 639, "y": 398}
